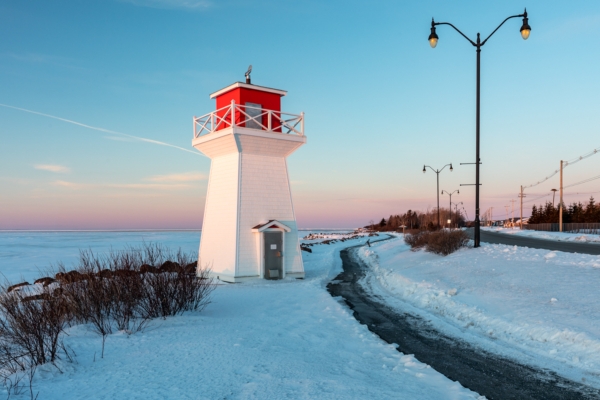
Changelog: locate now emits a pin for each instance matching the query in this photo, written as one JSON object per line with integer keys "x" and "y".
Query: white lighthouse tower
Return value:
{"x": 249, "y": 228}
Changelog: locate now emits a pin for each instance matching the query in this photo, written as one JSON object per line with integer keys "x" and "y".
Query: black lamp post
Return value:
{"x": 433, "y": 39}
{"x": 438, "y": 185}
{"x": 450, "y": 194}
{"x": 456, "y": 210}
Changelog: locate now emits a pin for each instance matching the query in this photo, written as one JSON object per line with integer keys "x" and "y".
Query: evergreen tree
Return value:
{"x": 534, "y": 219}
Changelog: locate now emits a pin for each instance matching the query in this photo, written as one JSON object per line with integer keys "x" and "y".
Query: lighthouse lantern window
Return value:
{"x": 253, "y": 118}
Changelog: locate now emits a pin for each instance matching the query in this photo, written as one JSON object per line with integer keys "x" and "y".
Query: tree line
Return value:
{"x": 418, "y": 220}
{"x": 574, "y": 213}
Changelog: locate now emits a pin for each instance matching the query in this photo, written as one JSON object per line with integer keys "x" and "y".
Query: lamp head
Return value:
{"x": 433, "y": 37}
{"x": 458, "y": 192}
{"x": 423, "y": 169}
{"x": 525, "y": 28}
{"x": 451, "y": 169}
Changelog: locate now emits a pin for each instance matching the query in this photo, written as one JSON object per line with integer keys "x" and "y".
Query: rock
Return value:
{"x": 191, "y": 268}
{"x": 124, "y": 273}
{"x": 42, "y": 296}
{"x": 170, "y": 266}
{"x": 45, "y": 281}
{"x": 18, "y": 285}
{"x": 69, "y": 277}
{"x": 145, "y": 269}
{"x": 105, "y": 273}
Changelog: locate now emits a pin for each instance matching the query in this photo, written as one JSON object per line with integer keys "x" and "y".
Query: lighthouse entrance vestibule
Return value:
{"x": 273, "y": 252}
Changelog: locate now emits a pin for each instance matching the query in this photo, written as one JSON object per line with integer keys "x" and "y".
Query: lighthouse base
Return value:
{"x": 239, "y": 279}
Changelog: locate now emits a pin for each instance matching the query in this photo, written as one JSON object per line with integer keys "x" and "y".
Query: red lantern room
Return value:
{"x": 244, "y": 105}
{"x": 253, "y": 106}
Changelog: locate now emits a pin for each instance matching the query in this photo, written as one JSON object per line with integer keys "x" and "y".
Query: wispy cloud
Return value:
{"x": 141, "y": 139}
{"x": 118, "y": 138}
{"x": 51, "y": 168}
{"x": 194, "y": 5}
{"x": 135, "y": 186}
{"x": 182, "y": 177}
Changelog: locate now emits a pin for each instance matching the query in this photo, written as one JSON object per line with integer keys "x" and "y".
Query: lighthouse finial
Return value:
{"x": 248, "y": 74}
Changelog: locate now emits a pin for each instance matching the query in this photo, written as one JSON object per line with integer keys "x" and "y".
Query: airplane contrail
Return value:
{"x": 102, "y": 129}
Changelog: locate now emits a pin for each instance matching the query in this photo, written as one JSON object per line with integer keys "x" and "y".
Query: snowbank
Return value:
{"x": 538, "y": 306}
{"x": 257, "y": 340}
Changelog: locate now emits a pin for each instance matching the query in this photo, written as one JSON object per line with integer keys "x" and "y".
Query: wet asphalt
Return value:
{"x": 488, "y": 374}
{"x": 518, "y": 240}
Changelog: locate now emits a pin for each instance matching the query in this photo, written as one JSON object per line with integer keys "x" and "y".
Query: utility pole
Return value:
{"x": 560, "y": 224}
{"x": 512, "y": 211}
{"x": 521, "y": 196}
{"x": 492, "y": 214}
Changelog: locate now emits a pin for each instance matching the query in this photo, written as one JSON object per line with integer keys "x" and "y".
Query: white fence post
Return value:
{"x": 269, "y": 116}
{"x": 232, "y": 113}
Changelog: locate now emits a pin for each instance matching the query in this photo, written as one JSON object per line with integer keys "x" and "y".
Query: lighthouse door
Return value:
{"x": 273, "y": 255}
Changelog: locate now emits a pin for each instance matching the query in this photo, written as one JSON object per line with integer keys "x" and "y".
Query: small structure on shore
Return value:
{"x": 249, "y": 227}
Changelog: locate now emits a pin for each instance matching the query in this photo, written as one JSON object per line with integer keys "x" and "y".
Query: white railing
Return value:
{"x": 249, "y": 117}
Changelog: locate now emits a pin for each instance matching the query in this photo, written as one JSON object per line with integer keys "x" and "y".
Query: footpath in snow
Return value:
{"x": 558, "y": 236}
{"x": 539, "y": 307}
{"x": 256, "y": 340}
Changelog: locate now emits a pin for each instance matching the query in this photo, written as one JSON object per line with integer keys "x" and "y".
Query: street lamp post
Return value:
{"x": 433, "y": 39}
{"x": 438, "y": 186}
{"x": 456, "y": 210}
{"x": 450, "y": 194}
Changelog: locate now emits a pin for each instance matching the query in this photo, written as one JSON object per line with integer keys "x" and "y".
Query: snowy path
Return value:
{"x": 488, "y": 374}
{"x": 535, "y": 306}
{"x": 258, "y": 340}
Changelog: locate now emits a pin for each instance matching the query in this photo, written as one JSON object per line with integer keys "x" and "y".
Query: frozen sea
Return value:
{"x": 24, "y": 255}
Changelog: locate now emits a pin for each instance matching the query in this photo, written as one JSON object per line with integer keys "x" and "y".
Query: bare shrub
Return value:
{"x": 442, "y": 242}
{"x": 30, "y": 329}
{"x": 417, "y": 240}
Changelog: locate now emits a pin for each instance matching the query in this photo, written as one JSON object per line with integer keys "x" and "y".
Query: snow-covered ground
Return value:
{"x": 256, "y": 340}
{"x": 560, "y": 236}
{"x": 540, "y": 307}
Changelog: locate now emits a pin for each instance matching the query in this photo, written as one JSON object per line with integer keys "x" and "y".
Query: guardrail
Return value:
{"x": 582, "y": 227}
{"x": 249, "y": 117}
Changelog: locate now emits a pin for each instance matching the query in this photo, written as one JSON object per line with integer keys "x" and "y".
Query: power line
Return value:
{"x": 583, "y": 181}
{"x": 576, "y": 160}
{"x": 566, "y": 164}
{"x": 542, "y": 181}
{"x": 537, "y": 198}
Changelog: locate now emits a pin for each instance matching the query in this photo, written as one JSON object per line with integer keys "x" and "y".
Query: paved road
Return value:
{"x": 518, "y": 240}
{"x": 485, "y": 373}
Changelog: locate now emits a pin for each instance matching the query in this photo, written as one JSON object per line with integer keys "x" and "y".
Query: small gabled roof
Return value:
{"x": 270, "y": 225}
{"x": 247, "y": 86}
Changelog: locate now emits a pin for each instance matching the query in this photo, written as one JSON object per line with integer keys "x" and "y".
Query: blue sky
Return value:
{"x": 379, "y": 103}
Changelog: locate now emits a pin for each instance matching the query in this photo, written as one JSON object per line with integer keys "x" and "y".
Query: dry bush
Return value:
{"x": 31, "y": 330}
{"x": 445, "y": 242}
{"x": 417, "y": 240}
{"x": 125, "y": 290}
{"x": 442, "y": 242}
